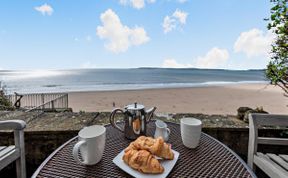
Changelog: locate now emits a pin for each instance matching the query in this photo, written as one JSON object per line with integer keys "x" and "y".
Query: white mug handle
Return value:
{"x": 168, "y": 131}
{"x": 76, "y": 151}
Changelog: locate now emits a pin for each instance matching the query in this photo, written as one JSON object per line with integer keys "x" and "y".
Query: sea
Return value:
{"x": 72, "y": 80}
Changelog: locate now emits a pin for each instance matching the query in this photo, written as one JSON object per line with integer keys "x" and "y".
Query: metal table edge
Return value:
{"x": 106, "y": 125}
{"x": 235, "y": 154}
{"x": 50, "y": 156}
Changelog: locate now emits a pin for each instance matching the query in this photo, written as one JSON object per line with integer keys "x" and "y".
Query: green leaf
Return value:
{"x": 277, "y": 68}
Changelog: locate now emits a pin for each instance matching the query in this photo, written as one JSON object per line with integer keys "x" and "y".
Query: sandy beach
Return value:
{"x": 207, "y": 100}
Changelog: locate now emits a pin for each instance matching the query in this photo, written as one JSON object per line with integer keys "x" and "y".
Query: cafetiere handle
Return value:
{"x": 112, "y": 120}
{"x": 150, "y": 113}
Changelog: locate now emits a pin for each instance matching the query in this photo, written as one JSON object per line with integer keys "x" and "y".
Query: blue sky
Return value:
{"x": 229, "y": 34}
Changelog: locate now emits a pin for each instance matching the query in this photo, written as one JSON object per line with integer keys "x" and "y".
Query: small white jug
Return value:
{"x": 162, "y": 130}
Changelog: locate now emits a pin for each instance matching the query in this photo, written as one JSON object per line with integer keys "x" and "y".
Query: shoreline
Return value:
{"x": 173, "y": 86}
{"x": 220, "y": 99}
{"x": 133, "y": 87}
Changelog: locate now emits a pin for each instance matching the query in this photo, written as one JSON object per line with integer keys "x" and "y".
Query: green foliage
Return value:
{"x": 81, "y": 112}
{"x": 277, "y": 69}
{"x": 284, "y": 134}
{"x": 5, "y": 104}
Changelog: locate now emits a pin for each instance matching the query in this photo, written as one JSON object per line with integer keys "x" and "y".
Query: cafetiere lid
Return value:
{"x": 135, "y": 106}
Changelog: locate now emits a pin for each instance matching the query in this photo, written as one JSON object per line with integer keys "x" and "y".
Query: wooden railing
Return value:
{"x": 41, "y": 101}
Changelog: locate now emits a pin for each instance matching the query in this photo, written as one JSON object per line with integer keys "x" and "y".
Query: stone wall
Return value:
{"x": 38, "y": 146}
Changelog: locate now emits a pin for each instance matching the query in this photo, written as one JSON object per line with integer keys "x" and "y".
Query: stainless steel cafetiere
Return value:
{"x": 136, "y": 119}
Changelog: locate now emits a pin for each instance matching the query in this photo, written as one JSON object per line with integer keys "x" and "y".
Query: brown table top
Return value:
{"x": 210, "y": 159}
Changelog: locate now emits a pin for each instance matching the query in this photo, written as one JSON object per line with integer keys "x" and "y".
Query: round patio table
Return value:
{"x": 210, "y": 159}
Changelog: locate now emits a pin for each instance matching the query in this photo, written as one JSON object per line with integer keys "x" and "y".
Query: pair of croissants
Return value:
{"x": 139, "y": 155}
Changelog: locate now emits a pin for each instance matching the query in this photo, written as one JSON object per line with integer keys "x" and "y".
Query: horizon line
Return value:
{"x": 104, "y": 68}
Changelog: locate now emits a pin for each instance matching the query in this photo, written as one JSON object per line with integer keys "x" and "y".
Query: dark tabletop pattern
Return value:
{"x": 209, "y": 159}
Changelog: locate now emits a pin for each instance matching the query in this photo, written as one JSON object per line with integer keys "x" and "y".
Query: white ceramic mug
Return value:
{"x": 91, "y": 144}
{"x": 190, "y": 131}
{"x": 162, "y": 130}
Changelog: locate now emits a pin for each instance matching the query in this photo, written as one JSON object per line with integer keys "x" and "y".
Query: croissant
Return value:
{"x": 142, "y": 161}
{"x": 155, "y": 146}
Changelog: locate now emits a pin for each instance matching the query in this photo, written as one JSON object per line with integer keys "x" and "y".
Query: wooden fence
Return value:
{"x": 41, "y": 101}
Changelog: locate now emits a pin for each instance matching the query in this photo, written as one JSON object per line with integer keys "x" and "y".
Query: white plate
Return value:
{"x": 167, "y": 164}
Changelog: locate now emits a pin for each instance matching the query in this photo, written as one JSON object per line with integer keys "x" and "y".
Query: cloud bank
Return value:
{"x": 119, "y": 37}
{"x": 254, "y": 43}
{"x": 214, "y": 58}
{"x": 172, "y": 63}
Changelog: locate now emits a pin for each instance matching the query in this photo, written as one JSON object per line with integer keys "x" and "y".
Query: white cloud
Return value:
{"x": 44, "y": 9}
{"x": 172, "y": 63}
{"x": 182, "y": 1}
{"x": 215, "y": 58}
{"x": 88, "y": 65}
{"x": 137, "y": 4}
{"x": 254, "y": 43}
{"x": 87, "y": 38}
{"x": 177, "y": 19}
{"x": 168, "y": 24}
{"x": 181, "y": 16}
{"x": 119, "y": 36}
